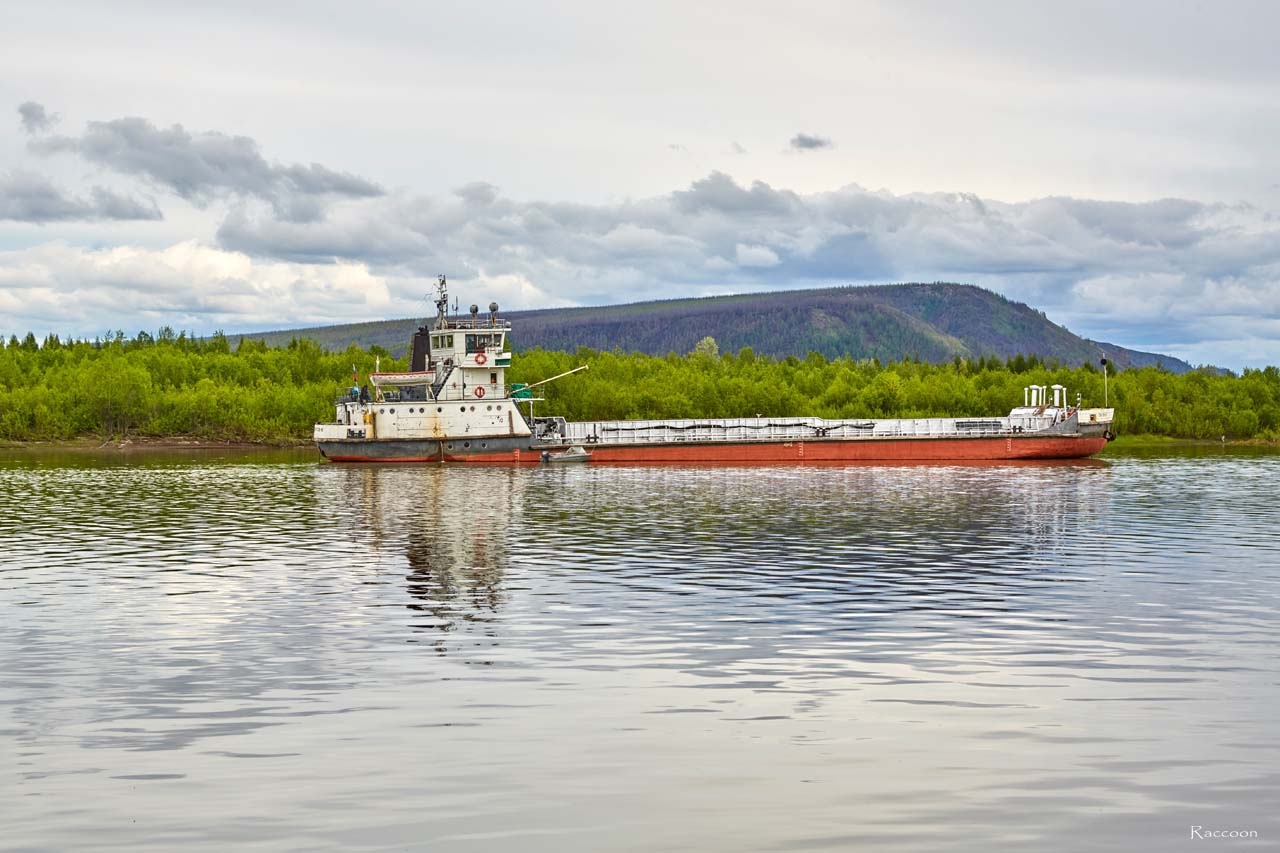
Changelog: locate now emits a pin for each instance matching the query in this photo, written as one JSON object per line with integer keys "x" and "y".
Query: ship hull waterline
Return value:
{"x": 514, "y": 452}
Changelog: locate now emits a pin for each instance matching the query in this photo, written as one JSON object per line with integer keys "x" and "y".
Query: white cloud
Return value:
{"x": 755, "y": 256}
{"x": 80, "y": 292}
{"x": 1101, "y": 267}
{"x": 513, "y": 292}
{"x": 284, "y": 243}
{"x": 1178, "y": 274}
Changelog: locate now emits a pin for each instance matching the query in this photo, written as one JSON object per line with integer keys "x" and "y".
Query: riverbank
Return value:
{"x": 149, "y": 443}
{"x": 1125, "y": 442}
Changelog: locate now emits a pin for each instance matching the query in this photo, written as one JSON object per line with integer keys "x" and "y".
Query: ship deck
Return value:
{"x": 749, "y": 430}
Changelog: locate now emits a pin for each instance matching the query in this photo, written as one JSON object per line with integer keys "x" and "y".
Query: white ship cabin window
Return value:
{"x": 442, "y": 342}
{"x": 484, "y": 343}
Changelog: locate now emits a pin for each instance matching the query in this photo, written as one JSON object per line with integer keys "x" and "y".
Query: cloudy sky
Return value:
{"x": 251, "y": 166}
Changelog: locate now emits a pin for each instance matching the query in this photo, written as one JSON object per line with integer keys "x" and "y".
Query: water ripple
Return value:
{"x": 216, "y": 651}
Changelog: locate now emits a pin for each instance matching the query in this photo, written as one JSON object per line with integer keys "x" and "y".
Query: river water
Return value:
{"x": 216, "y": 651}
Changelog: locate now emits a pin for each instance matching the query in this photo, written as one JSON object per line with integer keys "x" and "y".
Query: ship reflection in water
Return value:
{"x": 454, "y": 529}
{"x": 1029, "y": 656}
{"x": 856, "y": 541}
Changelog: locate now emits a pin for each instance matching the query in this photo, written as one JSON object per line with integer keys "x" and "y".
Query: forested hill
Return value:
{"x": 931, "y": 322}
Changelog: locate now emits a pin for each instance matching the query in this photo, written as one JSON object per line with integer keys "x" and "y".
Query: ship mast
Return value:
{"x": 442, "y": 304}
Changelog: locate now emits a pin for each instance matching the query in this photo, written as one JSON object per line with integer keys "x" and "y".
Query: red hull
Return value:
{"x": 861, "y": 450}
{"x": 887, "y": 450}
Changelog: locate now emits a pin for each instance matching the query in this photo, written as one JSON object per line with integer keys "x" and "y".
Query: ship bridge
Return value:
{"x": 455, "y": 387}
{"x": 457, "y": 359}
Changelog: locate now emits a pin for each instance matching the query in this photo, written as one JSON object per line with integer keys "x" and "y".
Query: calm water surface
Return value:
{"x": 213, "y": 652}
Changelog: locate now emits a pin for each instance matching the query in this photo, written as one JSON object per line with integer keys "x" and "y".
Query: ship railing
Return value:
{"x": 449, "y": 394}
{"x": 493, "y": 393}
{"x": 792, "y": 429}
{"x": 477, "y": 323}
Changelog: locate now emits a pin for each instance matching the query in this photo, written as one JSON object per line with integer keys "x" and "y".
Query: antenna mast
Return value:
{"x": 442, "y": 304}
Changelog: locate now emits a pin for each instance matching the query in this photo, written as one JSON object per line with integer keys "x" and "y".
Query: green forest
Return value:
{"x": 172, "y": 385}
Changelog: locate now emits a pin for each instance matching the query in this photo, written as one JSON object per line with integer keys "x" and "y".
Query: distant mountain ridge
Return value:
{"x": 933, "y": 322}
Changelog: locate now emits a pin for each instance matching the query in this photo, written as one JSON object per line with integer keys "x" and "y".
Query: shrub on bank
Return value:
{"x": 170, "y": 386}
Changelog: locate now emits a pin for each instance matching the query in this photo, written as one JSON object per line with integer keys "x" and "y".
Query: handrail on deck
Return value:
{"x": 794, "y": 429}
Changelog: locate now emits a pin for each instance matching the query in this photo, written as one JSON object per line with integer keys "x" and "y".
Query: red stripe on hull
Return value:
{"x": 529, "y": 457}
{"x": 889, "y": 450}
{"x": 383, "y": 458}
{"x": 798, "y": 452}
{"x": 861, "y": 450}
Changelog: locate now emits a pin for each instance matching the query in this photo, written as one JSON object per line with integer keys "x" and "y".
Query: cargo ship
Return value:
{"x": 454, "y": 405}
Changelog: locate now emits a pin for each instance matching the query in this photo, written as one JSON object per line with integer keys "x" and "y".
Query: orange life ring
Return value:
{"x": 479, "y": 390}
{"x": 480, "y": 358}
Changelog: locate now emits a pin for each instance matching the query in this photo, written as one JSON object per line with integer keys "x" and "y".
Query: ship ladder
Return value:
{"x": 437, "y": 387}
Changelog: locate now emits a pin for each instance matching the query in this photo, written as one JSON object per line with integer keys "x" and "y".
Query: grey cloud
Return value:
{"x": 852, "y": 255}
{"x": 809, "y": 142}
{"x": 849, "y": 234}
{"x": 479, "y": 192}
{"x": 1173, "y": 275}
{"x": 35, "y": 119}
{"x": 1162, "y": 224}
{"x": 25, "y": 197}
{"x": 205, "y": 166}
{"x": 379, "y": 236}
{"x": 318, "y": 180}
{"x": 719, "y": 192}
{"x": 1081, "y": 260}
{"x": 112, "y": 205}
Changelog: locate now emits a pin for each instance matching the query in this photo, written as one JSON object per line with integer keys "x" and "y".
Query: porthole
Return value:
{"x": 473, "y": 408}
{"x": 488, "y": 408}
{"x": 484, "y": 444}
{"x": 382, "y": 411}
{"x": 466, "y": 444}
{"x": 439, "y": 408}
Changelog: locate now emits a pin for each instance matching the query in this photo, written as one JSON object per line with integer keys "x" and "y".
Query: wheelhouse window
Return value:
{"x": 484, "y": 343}
{"x": 442, "y": 342}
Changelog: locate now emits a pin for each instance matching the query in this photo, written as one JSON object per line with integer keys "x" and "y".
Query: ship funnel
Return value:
{"x": 419, "y": 349}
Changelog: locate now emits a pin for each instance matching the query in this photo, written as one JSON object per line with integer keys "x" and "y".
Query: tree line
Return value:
{"x": 170, "y": 385}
